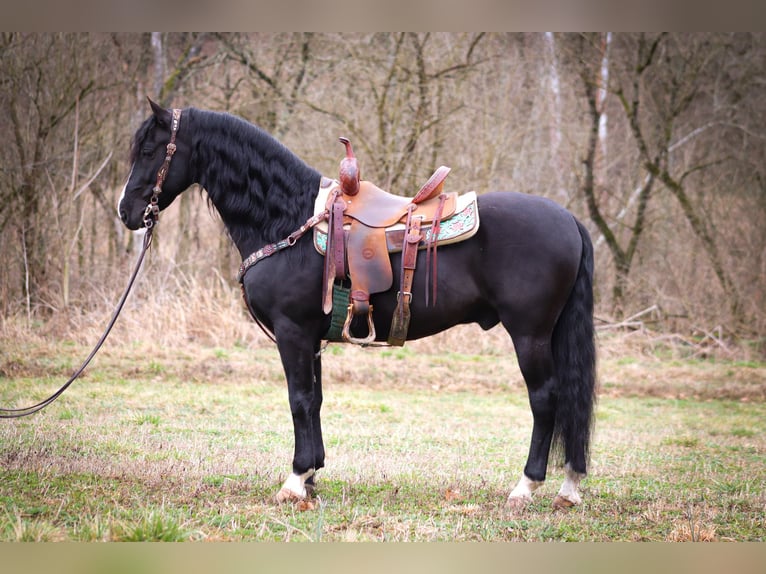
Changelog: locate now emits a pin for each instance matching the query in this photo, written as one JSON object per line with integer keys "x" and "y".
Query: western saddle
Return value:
{"x": 365, "y": 224}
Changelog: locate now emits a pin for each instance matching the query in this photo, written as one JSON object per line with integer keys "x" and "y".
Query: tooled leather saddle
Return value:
{"x": 365, "y": 224}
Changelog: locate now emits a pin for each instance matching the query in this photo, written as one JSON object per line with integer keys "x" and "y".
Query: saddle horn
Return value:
{"x": 349, "y": 170}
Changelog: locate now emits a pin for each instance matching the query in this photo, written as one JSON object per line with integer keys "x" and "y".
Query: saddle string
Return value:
{"x": 151, "y": 217}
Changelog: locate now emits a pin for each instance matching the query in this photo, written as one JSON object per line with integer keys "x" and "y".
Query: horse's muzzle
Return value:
{"x": 132, "y": 223}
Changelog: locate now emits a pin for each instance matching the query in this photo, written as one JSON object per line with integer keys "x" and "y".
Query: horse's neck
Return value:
{"x": 260, "y": 202}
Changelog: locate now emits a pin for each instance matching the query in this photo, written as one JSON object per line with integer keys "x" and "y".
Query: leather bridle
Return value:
{"x": 152, "y": 211}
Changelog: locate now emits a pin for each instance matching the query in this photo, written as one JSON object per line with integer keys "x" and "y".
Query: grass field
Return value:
{"x": 422, "y": 444}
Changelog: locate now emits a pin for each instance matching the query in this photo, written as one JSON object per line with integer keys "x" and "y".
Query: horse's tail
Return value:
{"x": 574, "y": 352}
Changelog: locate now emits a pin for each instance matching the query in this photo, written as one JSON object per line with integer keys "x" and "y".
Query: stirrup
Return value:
{"x": 347, "y": 328}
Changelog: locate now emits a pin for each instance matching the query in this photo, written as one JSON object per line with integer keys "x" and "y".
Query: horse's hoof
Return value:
{"x": 306, "y": 505}
{"x": 287, "y": 495}
{"x": 294, "y": 488}
{"x": 561, "y": 503}
{"x": 516, "y": 504}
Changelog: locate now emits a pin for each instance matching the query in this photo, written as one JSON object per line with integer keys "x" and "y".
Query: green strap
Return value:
{"x": 341, "y": 296}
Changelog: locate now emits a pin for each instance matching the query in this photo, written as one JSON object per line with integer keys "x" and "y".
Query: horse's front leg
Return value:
{"x": 316, "y": 420}
{"x": 305, "y": 395}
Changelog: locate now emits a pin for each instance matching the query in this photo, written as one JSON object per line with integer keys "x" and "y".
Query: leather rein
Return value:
{"x": 151, "y": 217}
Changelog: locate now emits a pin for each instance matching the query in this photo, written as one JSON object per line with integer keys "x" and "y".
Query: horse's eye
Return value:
{"x": 147, "y": 151}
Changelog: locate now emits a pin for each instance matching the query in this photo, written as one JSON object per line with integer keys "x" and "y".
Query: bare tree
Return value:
{"x": 674, "y": 189}
{"x": 590, "y": 55}
{"x": 278, "y": 67}
{"x": 396, "y": 90}
{"x": 43, "y": 85}
{"x": 672, "y": 88}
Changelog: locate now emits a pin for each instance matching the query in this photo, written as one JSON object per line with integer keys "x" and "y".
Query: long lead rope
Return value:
{"x": 151, "y": 217}
{"x": 23, "y": 412}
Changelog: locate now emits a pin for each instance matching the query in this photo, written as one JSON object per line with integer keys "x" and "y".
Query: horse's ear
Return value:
{"x": 162, "y": 115}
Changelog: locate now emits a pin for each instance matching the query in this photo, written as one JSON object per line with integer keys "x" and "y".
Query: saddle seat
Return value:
{"x": 375, "y": 207}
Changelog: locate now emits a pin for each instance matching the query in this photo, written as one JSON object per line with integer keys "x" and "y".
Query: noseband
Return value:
{"x": 152, "y": 211}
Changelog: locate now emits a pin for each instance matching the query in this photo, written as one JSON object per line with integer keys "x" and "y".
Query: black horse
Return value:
{"x": 529, "y": 266}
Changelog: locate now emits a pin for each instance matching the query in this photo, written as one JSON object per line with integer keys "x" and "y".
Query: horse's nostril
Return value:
{"x": 124, "y": 216}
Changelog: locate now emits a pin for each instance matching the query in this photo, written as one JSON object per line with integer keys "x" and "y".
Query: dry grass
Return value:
{"x": 692, "y": 532}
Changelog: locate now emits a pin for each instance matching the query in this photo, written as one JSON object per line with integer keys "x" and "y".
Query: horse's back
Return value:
{"x": 516, "y": 225}
{"x": 528, "y": 217}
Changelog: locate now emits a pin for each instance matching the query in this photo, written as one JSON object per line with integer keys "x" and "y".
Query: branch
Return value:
{"x": 467, "y": 64}
{"x": 638, "y": 224}
{"x": 694, "y": 133}
{"x": 305, "y": 58}
{"x": 700, "y": 167}
{"x": 387, "y": 84}
{"x": 347, "y": 123}
{"x": 589, "y": 184}
{"x": 246, "y": 61}
{"x": 90, "y": 180}
{"x": 55, "y": 119}
{"x": 647, "y": 61}
{"x": 188, "y": 59}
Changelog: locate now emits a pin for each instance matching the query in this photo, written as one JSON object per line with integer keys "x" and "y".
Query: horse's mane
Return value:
{"x": 254, "y": 181}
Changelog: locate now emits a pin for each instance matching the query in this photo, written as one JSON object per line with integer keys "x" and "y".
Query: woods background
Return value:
{"x": 655, "y": 141}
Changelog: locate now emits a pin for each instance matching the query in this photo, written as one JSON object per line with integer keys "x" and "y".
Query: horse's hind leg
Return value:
{"x": 537, "y": 367}
{"x": 568, "y": 494}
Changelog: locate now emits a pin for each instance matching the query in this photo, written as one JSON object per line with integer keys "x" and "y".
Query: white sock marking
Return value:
{"x": 569, "y": 488}
{"x": 295, "y": 483}
{"x": 524, "y": 489}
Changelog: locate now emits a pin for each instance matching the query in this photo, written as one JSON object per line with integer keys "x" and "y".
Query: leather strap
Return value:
{"x": 338, "y": 242}
{"x": 410, "y": 253}
{"x": 400, "y": 322}
{"x": 433, "y": 240}
{"x": 152, "y": 211}
{"x": 330, "y": 269}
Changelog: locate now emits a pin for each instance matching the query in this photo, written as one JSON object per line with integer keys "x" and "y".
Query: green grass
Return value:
{"x": 421, "y": 446}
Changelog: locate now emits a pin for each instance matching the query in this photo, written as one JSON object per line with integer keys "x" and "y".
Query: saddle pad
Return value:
{"x": 458, "y": 227}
